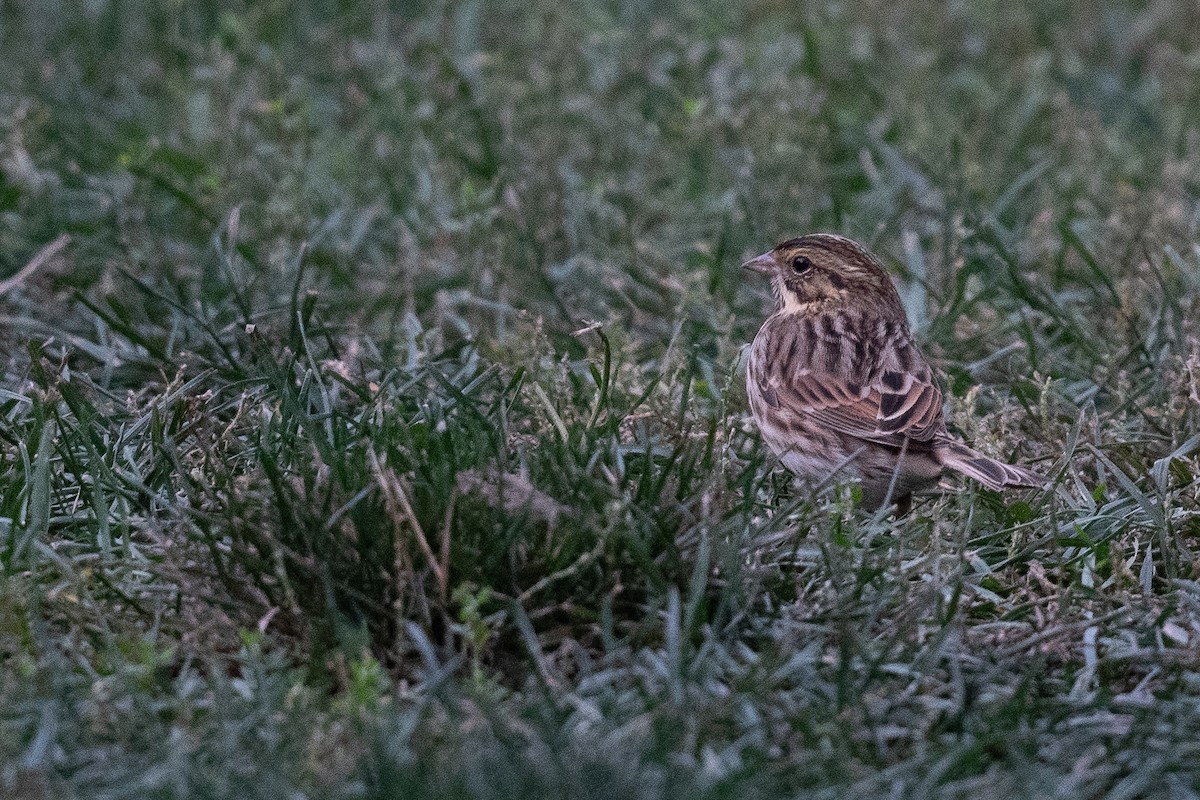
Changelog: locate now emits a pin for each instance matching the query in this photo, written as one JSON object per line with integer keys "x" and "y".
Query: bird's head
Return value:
{"x": 823, "y": 271}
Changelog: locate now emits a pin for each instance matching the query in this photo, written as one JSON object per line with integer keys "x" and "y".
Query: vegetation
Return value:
{"x": 373, "y": 427}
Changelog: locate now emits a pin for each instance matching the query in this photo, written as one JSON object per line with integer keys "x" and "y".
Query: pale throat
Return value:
{"x": 791, "y": 304}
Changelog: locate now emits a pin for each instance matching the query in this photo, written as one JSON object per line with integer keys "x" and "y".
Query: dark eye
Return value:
{"x": 801, "y": 264}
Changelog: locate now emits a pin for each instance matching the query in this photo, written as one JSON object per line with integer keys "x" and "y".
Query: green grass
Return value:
{"x": 378, "y": 430}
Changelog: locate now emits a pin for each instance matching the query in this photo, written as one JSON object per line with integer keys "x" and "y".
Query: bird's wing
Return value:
{"x": 877, "y": 388}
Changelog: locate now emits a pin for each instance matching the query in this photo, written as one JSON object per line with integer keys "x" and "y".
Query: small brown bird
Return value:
{"x": 838, "y": 386}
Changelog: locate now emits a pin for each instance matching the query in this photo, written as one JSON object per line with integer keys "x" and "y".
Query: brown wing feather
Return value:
{"x": 885, "y": 392}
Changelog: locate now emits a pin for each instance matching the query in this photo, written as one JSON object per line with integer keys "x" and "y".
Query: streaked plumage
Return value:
{"x": 837, "y": 384}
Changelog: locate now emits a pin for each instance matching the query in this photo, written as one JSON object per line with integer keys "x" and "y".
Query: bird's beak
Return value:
{"x": 761, "y": 264}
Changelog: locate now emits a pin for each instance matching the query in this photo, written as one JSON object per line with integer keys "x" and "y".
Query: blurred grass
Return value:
{"x": 379, "y": 428}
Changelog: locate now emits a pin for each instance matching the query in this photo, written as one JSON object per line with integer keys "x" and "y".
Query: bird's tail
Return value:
{"x": 995, "y": 475}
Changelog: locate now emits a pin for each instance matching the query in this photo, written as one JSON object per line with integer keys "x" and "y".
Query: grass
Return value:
{"x": 373, "y": 423}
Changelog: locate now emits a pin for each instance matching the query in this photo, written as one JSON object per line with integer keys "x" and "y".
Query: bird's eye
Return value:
{"x": 801, "y": 264}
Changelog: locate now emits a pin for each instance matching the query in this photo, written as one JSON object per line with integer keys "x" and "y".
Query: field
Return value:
{"x": 374, "y": 425}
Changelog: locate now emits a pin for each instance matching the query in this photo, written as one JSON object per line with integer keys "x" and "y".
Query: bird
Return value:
{"x": 838, "y": 387}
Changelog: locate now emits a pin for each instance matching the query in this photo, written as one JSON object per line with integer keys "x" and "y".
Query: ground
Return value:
{"x": 373, "y": 421}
